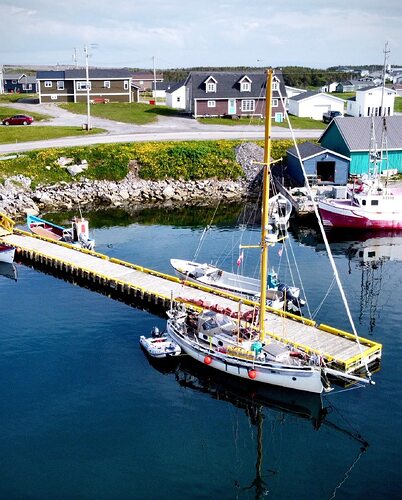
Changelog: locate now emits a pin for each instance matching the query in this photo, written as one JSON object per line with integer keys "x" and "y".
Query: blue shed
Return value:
{"x": 352, "y": 136}
{"x": 321, "y": 165}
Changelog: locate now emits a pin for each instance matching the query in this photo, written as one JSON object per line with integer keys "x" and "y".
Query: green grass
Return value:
{"x": 343, "y": 95}
{"x": 301, "y": 123}
{"x": 216, "y": 120}
{"x": 398, "y": 104}
{"x": 16, "y": 97}
{"x": 136, "y": 113}
{"x": 5, "y": 112}
{"x": 19, "y": 133}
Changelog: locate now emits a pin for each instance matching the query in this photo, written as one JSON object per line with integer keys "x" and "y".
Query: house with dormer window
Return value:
{"x": 232, "y": 94}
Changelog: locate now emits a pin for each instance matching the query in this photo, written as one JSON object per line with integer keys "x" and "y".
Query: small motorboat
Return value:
{"x": 160, "y": 345}
{"x": 6, "y": 253}
{"x": 77, "y": 235}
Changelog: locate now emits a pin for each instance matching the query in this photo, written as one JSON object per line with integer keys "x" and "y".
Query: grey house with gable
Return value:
{"x": 233, "y": 94}
{"x": 322, "y": 166}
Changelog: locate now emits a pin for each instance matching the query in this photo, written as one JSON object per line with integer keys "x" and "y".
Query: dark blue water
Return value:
{"x": 85, "y": 414}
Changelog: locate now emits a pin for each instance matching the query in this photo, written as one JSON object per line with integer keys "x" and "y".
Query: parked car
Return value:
{"x": 330, "y": 115}
{"x": 18, "y": 120}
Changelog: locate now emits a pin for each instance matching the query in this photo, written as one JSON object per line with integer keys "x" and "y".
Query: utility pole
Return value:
{"x": 75, "y": 58}
{"x": 384, "y": 70}
{"x": 87, "y": 87}
{"x": 1, "y": 80}
{"x": 154, "y": 92}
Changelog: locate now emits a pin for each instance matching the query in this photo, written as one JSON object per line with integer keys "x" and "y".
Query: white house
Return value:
{"x": 329, "y": 87}
{"x": 291, "y": 91}
{"x": 314, "y": 104}
{"x": 376, "y": 101}
{"x": 176, "y": 96}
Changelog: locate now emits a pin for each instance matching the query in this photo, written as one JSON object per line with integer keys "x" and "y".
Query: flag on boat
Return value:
{"x": 240, "y": 259}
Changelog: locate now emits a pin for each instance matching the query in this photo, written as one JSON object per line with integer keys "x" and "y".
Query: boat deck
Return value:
{"x": 334, "y": 345}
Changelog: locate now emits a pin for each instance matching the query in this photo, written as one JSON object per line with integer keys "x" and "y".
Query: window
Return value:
{"x": 53, "y": 97}
{"x": 177, "y": 99}
{"x": 125, "y": 84}
{"x": 211, "y": 87}
{"x": 83, "y": 85}
{"x": 48, "y": 83}
{"x": 245, "y": 87}
{"x": 274, "y": 103}
{"x": 374, "y": 202}
{"x": 248, "y": 105}
{"x": 106, "y": 84}
{"x": 274, "y": 85}
{"x": 60, "y": 85}
{"x": 14, "y": 82}
{"x": 211, "y": 104}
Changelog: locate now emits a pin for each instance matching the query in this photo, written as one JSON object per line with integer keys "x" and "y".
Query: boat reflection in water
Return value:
{"x": 8, "y": 270}
{"x": 257, "y": 400}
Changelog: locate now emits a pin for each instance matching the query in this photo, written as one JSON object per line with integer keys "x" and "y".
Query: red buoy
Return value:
{"x": 252, "y": 374}
{"x": 207, "y": 360}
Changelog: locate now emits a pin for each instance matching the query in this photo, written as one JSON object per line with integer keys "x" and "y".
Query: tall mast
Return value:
{"x": 265, "y": 200}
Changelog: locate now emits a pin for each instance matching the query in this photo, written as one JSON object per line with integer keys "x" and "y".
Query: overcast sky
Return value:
{"x": 185, "y": 33}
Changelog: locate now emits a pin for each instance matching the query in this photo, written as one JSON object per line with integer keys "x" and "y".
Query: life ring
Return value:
{"x": 359, "y": 186}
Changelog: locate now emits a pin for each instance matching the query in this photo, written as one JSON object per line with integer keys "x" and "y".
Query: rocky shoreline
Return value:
{"x": 17, "y": 198}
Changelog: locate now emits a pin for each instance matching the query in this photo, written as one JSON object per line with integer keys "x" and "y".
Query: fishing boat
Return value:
{"x": 159, "y": 345}
{"x": 247, "y": 350}
{"x": 279, "y": 295}
{"x": 371, "y": 202}
{"x": 6, "y": 253}
{"x": 77, "y": 234}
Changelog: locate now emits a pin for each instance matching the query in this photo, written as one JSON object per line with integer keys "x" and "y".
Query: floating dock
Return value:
{"x": 139, "y": 285}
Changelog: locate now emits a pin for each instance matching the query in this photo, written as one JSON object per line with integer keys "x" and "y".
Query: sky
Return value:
{"x": 190, "y": 33}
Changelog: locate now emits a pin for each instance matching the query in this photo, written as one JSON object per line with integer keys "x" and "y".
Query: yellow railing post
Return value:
{"x": 6, "y": 223}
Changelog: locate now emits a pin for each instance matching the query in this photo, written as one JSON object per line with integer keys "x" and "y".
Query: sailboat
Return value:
{"x": 245, "y": 350}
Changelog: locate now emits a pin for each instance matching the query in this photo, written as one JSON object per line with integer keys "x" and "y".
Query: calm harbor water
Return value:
{"x": 85, "y": 414}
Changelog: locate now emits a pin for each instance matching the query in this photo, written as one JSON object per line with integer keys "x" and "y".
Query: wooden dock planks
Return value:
{"x": 94, "y": 266}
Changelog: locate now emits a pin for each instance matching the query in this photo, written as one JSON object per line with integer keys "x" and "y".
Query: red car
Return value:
{"x": 18, "y": 120}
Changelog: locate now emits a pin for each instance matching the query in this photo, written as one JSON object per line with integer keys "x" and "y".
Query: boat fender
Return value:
{"x": 252, "y": 374}
{"x": 207, "y": 360}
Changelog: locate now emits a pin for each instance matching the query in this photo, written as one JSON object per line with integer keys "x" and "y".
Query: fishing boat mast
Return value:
{"x": 265, "y": 202}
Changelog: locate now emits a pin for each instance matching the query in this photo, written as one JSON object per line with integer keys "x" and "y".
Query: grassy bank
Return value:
{"x": 295, "y": 121}
{"x": 189, "y": 160}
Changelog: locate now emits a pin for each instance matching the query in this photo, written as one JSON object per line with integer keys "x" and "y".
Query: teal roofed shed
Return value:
{"x": 351, "y": 137}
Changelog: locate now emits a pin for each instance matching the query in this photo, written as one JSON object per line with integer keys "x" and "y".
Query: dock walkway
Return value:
{"x": 129, "y": 279}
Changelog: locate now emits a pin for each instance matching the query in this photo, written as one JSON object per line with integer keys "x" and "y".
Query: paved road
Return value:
{"x": 166, "y": 129}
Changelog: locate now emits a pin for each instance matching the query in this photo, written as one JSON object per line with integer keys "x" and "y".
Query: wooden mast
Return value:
{"x": 265, "y": 200}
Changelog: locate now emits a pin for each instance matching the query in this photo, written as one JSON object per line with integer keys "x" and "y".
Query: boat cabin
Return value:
{"x": 217, "y": 329}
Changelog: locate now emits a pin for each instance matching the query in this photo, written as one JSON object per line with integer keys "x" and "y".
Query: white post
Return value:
{"x": 154, "y": 92}
{"x": 1, "y": 80}
{"x": 87, "y": 85}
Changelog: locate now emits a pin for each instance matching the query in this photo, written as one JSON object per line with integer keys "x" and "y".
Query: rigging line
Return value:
{"x": 347, "y": 473}
{"x": 324, "y": 236}
{"x": 204, "y": 233}
{"x": 331, "y": 286}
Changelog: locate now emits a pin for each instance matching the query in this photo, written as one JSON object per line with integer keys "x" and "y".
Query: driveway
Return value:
{"x": 165, "y": 129}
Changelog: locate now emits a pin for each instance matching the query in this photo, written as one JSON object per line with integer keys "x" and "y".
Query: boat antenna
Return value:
{"x": 326, "y": 243}
{"x": 265, "y": 200}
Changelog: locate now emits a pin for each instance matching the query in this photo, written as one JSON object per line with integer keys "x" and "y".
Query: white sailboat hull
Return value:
{"x": 305, "y": 378}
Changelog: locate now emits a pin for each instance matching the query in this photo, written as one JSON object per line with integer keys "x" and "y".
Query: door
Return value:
{"x": 231, "y": 106}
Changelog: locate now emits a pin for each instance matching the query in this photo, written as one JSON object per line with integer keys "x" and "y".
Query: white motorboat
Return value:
{"x": 6, "y": 253}
{"x": 160, "y": 346}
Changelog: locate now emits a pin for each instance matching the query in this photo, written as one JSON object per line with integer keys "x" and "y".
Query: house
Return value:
{"x": 352, "y": 136}
{"x": 347, "y": 86}
{"x": 145, "y": 79}
{"x": 71, "y": 85}
{"x": 321, "y": 165}
{"x": 398, "y": 89}
{"x": 372, "y": 101}
{"x": 162, "y": 88}
{"x": 19, "y": 83}
{"x": 292, "y": 91}
{"x": 314, "y": 104}
{"x": 219, "y": 93}
{"x": 329, "y": 87}
{"x": 176, "y": 96}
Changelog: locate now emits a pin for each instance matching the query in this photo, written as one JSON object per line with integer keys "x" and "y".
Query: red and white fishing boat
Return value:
{"x": 369, "y": 205}
{"x": 371, "y": 202}
{"x": 6, "y": 253}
